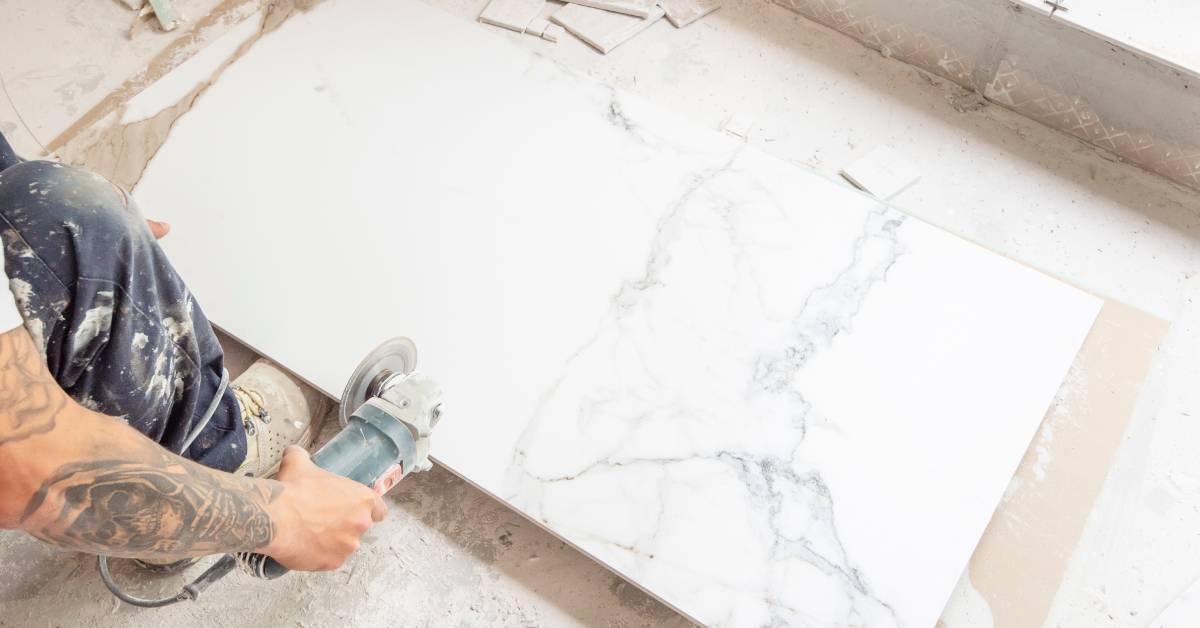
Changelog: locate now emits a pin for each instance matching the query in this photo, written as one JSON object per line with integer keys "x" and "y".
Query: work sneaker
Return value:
{"x": 277, "y": 411}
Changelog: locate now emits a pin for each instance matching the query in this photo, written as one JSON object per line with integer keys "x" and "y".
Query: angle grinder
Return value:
{"x": 387, "y": 414}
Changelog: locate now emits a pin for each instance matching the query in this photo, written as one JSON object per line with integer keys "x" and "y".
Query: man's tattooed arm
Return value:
{"x": 169, "y": 508}
{"x": 25, "y": 409}
{"x": 84, "y": 481}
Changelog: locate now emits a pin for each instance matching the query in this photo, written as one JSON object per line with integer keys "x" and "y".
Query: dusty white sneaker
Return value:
{"x": 277, "y": 411}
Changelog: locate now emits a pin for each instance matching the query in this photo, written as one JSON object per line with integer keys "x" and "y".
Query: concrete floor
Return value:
{"x": 447, "y": 555}
{"x": 452, "y": 556}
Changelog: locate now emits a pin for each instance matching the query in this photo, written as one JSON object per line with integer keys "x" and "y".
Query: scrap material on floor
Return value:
{"x": 162, "y": 10}
{"x": 684, "y": 12}
{"x": 582, "y": 415}
{"x": 511, "y": 14}
{"x": 553, "y": 33}
{"x": 602, "y": 30}
{"x": 537, "y": 27}
{"x": 883, "y": 172}
{"x": 168, "y": 18}
{"x": 602, "y": 24}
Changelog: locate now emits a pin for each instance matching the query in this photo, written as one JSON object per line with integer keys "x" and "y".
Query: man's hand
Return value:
{"x": 319, "y": 516}
{"x": 159, "y": 229}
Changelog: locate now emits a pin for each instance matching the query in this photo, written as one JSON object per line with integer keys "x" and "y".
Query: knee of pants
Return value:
{"x": 45, "y": 202}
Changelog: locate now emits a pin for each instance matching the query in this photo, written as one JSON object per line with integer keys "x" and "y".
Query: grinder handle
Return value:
{"x": 361, "y": 452}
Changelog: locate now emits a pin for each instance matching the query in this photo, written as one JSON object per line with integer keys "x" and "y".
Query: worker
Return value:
{"x": 118, "y": 433}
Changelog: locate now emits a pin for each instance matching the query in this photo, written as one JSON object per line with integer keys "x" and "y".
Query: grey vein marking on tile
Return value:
{"x": 511, "y": 14}
{"x": 684, "y": 12}
{"x": 638, "y": 8}
{"x": 602, "y": 30}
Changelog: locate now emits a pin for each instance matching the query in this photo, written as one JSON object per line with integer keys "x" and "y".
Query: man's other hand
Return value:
{"x": 319, "y": 516}
{"x": 159, "y": 229}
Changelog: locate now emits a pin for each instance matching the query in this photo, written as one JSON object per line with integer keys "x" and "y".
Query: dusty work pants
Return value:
{"x": 117, "y": 326}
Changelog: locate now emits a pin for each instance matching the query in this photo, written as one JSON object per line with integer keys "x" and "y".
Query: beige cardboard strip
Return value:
{"x": 1020, "y": 562}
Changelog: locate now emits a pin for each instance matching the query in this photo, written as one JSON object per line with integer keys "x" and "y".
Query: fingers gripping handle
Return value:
{"x": 385, "y": 439}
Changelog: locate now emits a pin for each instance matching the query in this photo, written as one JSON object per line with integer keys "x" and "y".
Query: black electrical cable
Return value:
{"x": 106, "y": 578}
{"x": 189, "y": 592}
{"x": 212, "y": 574}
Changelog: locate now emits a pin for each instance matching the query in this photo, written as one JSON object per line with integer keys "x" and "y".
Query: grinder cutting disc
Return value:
{"x": 398, "y": 355}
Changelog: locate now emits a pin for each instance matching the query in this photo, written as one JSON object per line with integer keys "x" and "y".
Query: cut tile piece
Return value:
{"x": 168, "y": 19}
{"x": 684, "y": 12}
{"x": 537, "y": 27}
{"x": 636, "y": 8}
{"x": 882, "y": 172}
{"x": 553, "y": 32}
{"x": 602, "y": 30}
{"x": 511, "y": 14}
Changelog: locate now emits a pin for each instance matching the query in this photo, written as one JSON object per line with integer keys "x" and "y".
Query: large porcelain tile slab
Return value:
{"x": 755, "y": 392}
{"x": 1183, "y": 612}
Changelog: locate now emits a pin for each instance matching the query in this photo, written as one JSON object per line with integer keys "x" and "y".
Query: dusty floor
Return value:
{"x": 817, "y": 99}
{"x": 447, "y": 555}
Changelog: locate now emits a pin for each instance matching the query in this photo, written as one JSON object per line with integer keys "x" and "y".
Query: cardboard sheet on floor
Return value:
{"x": 1020, "y": 562}
{"x": 731, "y": 380}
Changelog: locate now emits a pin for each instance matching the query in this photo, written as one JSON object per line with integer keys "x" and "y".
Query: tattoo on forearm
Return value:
{"x": 138, "y": 509}
{"x": 29, "y": 401}
{"x": 140, "y": 501}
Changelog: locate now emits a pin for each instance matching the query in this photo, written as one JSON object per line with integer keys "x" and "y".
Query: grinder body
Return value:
{"x": 372, "y": 446}
{"x": 384, "y": 439}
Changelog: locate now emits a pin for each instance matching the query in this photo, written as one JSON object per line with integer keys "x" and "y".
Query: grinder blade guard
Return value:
{"x": 395, "y": 356}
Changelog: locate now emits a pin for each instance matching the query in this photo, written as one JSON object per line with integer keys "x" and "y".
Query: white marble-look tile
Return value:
{"x": 805, "y": 401}
{"x": 754, "y": 391}
{"x": 1183, "y": 612}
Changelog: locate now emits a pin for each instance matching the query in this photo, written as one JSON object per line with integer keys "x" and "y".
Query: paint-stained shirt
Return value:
{"x": 10, "y": 317}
